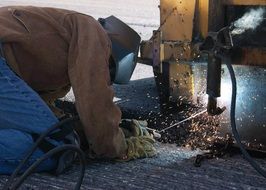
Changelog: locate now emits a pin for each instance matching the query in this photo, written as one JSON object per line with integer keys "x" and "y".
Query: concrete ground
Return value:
{"x": 172, "y": 168}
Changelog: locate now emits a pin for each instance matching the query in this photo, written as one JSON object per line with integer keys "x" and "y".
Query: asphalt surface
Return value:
{"x": 172, "y": 168}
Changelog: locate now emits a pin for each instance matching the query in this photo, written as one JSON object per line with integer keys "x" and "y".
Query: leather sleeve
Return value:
{"x": 89, "y": 52}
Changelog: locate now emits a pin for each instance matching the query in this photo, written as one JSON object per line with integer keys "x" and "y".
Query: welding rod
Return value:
{"x": 187, "y": 119}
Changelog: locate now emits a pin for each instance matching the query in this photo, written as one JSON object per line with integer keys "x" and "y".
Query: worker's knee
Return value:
{"x": 14, "y": 148}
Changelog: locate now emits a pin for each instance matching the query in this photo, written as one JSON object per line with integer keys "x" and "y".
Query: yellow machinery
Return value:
{"x": 174, "y": 52}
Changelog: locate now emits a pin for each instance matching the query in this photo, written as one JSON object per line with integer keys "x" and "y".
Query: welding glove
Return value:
{"x": 139, "y": 147}
{"x": 134, "y": 128}
{"x": 139, "y": 141}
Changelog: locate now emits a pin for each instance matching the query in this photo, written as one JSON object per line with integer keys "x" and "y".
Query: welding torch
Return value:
{"x": 215, "y": 45}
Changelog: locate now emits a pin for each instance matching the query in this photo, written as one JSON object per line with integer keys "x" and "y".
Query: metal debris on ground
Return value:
{"x": 217, "y": 150}
{"x": 183, "y": 128}
{"x": 186, "y": 128}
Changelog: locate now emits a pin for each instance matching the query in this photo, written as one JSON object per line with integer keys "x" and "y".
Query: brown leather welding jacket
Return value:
{"x": 53, "y": 49}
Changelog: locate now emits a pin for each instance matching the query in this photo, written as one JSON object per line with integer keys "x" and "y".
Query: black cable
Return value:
{"x": 233, "y": 122}
{"x": 34, "y": 148}
{"x": 48, "y": 155}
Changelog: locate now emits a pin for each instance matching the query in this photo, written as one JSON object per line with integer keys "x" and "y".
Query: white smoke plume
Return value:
{"x": 250, "y": 21}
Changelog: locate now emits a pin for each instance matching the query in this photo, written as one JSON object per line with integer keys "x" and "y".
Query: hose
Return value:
{"x": 48, "y": 155}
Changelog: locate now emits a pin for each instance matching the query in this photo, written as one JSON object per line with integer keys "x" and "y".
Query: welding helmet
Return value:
{"x": 125, "y": 47}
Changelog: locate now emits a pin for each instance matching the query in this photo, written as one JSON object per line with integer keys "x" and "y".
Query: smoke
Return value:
{"x": 250, "y": 21}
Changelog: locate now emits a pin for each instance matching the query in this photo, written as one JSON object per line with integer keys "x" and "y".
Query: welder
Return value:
{"x": 45, "y": 52}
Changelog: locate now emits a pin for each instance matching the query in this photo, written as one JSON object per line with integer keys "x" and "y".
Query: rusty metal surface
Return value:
{"x": 177, "y": 19}
{"x": 244, "y": 2}
{"x": 253, "y": 56}
{"x": 181, "y": 82}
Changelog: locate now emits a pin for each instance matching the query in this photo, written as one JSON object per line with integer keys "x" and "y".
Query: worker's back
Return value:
{"x": 36, "y": 42}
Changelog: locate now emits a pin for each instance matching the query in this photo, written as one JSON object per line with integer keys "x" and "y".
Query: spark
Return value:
{"x": 187, "y": 119}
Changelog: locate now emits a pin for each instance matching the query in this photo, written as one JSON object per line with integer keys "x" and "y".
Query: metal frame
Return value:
{"x": 184, "y": 24}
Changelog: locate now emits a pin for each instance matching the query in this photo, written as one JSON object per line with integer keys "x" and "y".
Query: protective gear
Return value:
{"x": 51, "y": 49}
{"x": 139, "y": 147}
{"x": 134, "y": 128}
{"x": 139, "y": 141}
{"x": 125, "y": 47}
